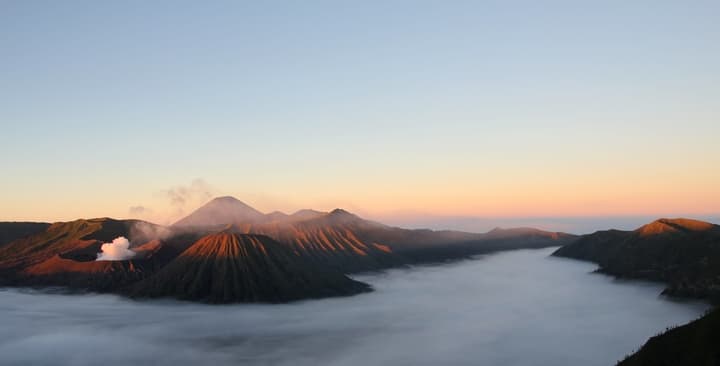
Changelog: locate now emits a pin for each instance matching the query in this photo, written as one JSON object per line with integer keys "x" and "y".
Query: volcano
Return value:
{"x": 64, "y": 255}
{"x": 230, "y": 267}
{"x": 219, "y": 211}
{"x": 79, "y": 240}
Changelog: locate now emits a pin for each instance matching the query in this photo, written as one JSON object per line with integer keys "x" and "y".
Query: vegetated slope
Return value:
{"x": 693, "y": 344}
{"x": 82, "y": 238}
{"x": 683, "y": 253}
{"x": 10, "y": 231}
{"x": 230, "y": 267}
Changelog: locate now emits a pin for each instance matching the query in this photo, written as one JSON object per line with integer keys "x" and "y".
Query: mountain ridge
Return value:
{"x": 307, "y": 241}
{"x": 683, "y": 253}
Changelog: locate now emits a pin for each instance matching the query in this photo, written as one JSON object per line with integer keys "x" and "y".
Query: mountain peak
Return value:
{"x": 221, "y": 211}
{"x": 340, "y": 215}
{"x": 276, "y": 216}
{"x": 665, "y": 225}
{"x": 226, "y": 199}
{"x": 340, "y": 212}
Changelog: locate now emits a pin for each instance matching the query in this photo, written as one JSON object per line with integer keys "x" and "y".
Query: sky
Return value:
{"x": 391, "y": 109}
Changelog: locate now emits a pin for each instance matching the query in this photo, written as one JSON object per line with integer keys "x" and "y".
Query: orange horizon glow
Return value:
{"x": 487, "y": 204}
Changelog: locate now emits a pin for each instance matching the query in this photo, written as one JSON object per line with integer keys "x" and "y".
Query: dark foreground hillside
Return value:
{"x": 693, "y": 344}
{"x": 683, "y": 253}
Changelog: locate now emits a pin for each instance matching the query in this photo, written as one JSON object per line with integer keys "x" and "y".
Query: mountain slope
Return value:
{"x": 683, "y": 253}
{"x": 229, "y": 267}
{"x": 99, "y": 276}
{"x": 696, "y": 344}
{"x": 64, "y": 255}
{"x": 79, "y": 238}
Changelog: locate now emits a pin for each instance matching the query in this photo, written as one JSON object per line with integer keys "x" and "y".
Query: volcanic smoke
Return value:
{"x": 118, "y": 250}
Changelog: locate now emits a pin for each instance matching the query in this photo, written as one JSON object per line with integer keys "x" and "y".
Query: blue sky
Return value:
{"x": 507, "y": 108}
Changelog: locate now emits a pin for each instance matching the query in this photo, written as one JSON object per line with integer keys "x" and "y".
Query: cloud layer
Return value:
{"x": 516, "y": 308}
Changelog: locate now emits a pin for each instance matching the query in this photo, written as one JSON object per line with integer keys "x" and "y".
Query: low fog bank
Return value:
{"x": 512, "y": 308}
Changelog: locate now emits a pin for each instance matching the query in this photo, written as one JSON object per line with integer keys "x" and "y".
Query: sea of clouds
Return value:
{"x": 512, "y": 308}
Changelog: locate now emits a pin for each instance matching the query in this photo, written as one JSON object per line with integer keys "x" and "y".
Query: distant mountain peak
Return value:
{"x": 221, "y": 211}
{"x": 227, "y": 200}
{"x": 340, "y": 215}
{"x": 340, "y": 211}
{"x": 276, "y": 216}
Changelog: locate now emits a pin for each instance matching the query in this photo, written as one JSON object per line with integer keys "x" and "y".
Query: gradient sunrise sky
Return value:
{"x": 506, "y": 109}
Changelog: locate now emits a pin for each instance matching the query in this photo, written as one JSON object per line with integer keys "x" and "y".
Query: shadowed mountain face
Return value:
{"x": 696, "y": 344}
{"x": 10, "y": 231}
{"x": 683, "y": 253}
{"x": 229, "y": 267}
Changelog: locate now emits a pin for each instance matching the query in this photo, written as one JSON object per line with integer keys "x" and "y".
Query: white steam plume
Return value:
{"x": 118, "y": 250}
